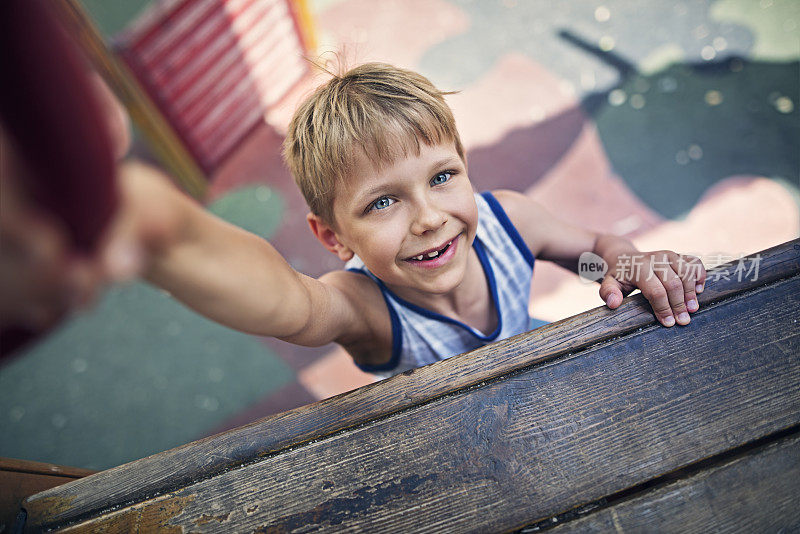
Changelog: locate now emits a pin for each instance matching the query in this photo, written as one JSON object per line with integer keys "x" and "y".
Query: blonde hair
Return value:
{"x": 382, "y": 110}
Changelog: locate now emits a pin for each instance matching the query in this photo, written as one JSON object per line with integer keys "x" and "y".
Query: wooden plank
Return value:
{"x": 15, "y": 487}
{"x": 43, "y": 468}
{"x": 170, "y": 470}
{"x": 528, "y": 446}
{"x": 22, "y": 478}
{"x": 757, "y": 492}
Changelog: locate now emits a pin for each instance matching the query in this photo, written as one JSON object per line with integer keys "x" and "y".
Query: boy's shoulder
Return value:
{"x": 522, "y": 211}
{"x": 513, "y": 202}
{"x": 353, "y": 283}
{"x": 531, "y": 220}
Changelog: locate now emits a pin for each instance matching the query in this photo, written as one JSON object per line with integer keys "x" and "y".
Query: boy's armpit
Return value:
{"x": 373, "y": 344}
{"x": 369, "y": 355}
{"x": 368, "y": 339}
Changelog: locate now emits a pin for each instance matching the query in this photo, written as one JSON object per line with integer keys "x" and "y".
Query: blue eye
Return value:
{"x": 441, "y": 178}
{"x": 382, "y": 203}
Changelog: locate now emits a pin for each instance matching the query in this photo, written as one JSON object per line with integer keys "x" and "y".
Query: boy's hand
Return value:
{"x": 669, "y": 281}
{"x": 42, "y": 275}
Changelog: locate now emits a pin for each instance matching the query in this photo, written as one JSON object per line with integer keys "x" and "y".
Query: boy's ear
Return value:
{"x": 327, "y": 236}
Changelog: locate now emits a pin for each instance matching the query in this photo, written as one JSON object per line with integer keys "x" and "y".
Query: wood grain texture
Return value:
{"x": 766, "y": 483}
{"x": 195, "y": 461}
{"x": 42, "y": 468}
{"x": 531, "y": 445}
{"x": 22, "y": 478}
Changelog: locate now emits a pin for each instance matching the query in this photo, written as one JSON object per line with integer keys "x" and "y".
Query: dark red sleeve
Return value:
{"x": 52, "y": 115}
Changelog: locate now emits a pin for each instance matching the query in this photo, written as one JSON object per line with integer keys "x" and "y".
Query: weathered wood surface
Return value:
{"x": 767, "y": 491}
{"x": 22, "y": 478}
{"x": 528, "y": 446}
{"x": 177, "y": 468}
{"x": 560, "y": 428}
{"x": 43, "y": 468}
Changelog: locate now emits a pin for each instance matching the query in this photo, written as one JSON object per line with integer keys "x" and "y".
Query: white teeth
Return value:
{"x": 430, "y": 255}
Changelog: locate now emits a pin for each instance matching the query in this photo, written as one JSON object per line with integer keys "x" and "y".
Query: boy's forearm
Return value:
{"x": 219, "y": 270}
{"x": 610, "y": 247}
{"x": 244, "y": 284}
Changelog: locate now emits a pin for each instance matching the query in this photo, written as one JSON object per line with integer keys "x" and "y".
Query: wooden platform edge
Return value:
{"x": 43, "y": 468}
{"x": 21, "y": 478}
{"x": 698, "y": 498}
{"x": 170, "y": 470}
{"x": 532, "y": 444}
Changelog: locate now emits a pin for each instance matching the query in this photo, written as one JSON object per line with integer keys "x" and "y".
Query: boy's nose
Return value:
{"x": 429, "y": 217}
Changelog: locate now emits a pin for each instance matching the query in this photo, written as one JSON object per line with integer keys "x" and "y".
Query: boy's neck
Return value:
{"x": 470, "y": 302}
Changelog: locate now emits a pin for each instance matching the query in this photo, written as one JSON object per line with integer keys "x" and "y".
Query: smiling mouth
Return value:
{"x": 430, "y": 256}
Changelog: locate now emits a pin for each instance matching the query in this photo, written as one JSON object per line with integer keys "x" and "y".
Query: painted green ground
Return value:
{"x": 139, "y": 374}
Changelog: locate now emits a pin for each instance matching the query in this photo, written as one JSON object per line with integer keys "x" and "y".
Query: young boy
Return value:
{"x": 433, "y": 269}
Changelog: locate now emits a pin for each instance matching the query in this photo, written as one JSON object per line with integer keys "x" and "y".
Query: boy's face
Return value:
{"x": 417, "y": 206}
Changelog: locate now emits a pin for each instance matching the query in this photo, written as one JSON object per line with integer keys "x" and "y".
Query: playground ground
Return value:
{"x": 672, "y": 123}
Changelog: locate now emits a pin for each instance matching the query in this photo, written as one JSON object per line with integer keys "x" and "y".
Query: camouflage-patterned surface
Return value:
{"x": 673, "y": 123}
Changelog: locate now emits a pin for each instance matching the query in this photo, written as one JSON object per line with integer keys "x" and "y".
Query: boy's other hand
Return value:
{"x": 669, "y": 281}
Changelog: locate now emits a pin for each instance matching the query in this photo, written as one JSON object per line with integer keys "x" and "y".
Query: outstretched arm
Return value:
{"x": 669, "y": 281}
{"x": 226, "y": 273}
